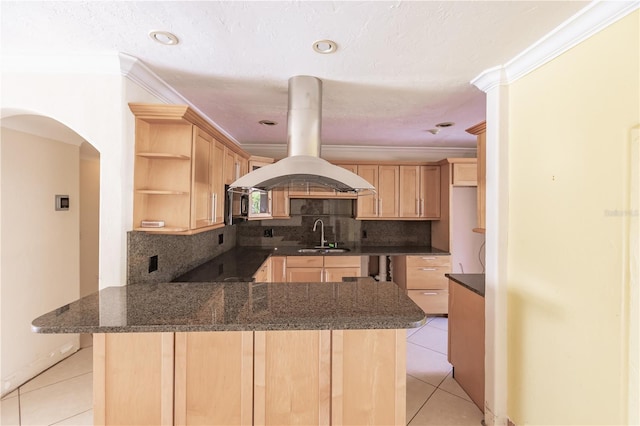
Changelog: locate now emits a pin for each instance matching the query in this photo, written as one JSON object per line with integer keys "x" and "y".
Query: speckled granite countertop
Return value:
{"x": 474, "y": 282}
{"x": 241, "y": 263}
{"x": 232, "y": 306}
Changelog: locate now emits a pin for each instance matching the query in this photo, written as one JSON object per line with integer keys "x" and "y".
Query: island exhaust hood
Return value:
{"x": 303, "y": 164}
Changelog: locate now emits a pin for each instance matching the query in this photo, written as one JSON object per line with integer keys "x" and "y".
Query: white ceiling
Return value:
{"x": 400, "y": 68}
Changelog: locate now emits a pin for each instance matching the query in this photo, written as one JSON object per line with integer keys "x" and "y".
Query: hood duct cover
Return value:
{"x": 303, "y": 164}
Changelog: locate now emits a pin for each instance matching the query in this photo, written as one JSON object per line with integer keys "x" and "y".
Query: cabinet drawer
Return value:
{"x": 431, "y": 277}
{"x": 304, "y": 261}
{"x": 431, "y": 301}
{"x": 428, "y": 260}
{"x": 342, "y": 261}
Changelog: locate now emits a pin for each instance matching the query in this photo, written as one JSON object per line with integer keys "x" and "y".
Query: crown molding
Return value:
{"x": 593, "y": 18}
{"x": 368, "y": 153}
{"x": 136, "y": 71}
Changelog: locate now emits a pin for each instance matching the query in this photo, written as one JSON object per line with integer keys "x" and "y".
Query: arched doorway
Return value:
{"x": 49, "y": 256}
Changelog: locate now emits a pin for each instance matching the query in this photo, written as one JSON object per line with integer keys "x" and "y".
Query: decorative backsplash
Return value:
{"x": 339, "y": 226}
{"x": 177, "y": 254}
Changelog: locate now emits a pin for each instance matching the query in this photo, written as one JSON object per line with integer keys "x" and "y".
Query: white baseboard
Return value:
{"x": 27, "y": 372}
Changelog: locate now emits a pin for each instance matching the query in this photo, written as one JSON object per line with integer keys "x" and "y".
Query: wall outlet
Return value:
{"x": 364, "y": 234}
{"x": 268, "y": 233}
{"x": 220, "y": 238}
{"x": 153, "y": 263}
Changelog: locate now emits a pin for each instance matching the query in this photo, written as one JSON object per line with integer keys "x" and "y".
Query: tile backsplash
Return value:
{"x": 177, "y": 254}
{"x": 339, "y": 226}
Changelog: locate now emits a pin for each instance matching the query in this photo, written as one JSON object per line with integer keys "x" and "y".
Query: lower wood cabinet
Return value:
{"x": 423, "y": 277}
{"x": 305, "y": 269}
{"x": 466, "y": 340}
{"x": 319, "y": 377}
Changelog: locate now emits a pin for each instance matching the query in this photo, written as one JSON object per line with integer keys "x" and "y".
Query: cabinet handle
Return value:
{"x": 380, "y": 201}
{"x": 270, "y": 205}
{"x": 375, "y": 207}
{"x": 428, "y": 269}
{"x": 418, "y": 207}
{"x": 214, "y": 206}
{"x": 421, "y": 207}
{"x": 429, "y": 293}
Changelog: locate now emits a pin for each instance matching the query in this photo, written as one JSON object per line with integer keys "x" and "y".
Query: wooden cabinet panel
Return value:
{"x": 342, "y": 261}
{"x": 263, "y": 274}
{"x": 278, "y": 269}
{"x": 433, "y": 301}
{"x": 410, "y": 191}
{"x": 305, "y": 261}
{"x": 367, "y": 206}
{"x": 201, "y": 199}
{"x": 304, "y": 275}
{"x": 430, "y": 192}
{"x": 231, "y": 167}
{"x": 368, "y": 377}
{"x": 292, "y": 377}
{"x": 429, "y": 277}
{"x": 217, "y": 181}
{"x": 466, "y": 340}
{"x": 280, "y": 203}
{"x": 214, "y": 378}
{"x": 417, "y": 261}
{"x": 389, "y": 191}
{"x": 480, "y": 130}
{"x": 133, "y": 378}
{"x": 337, "y": 274}
{"x": 465, "y": 174}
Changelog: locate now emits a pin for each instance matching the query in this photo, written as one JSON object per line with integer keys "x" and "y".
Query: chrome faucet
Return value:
{"x": 322, "y": 240}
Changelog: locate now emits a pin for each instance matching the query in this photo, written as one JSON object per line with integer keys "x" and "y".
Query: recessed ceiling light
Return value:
{"x": 164, "y": 37}
{"x": 325, "y": 46}
{"x": 267, "y": 122}
{"x": 445, "y": 124}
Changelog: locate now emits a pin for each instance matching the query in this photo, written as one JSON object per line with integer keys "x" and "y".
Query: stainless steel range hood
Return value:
{"x": 303, "y": 164}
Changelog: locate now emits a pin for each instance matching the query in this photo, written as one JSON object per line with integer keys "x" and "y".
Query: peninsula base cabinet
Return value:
{"x": 293, "y": 377}
{"x": 423, "y": 277}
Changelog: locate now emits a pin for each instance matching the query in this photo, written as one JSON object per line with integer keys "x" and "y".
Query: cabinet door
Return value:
{"x": 304, "y": 275}
{"x": 231, "y": 166}
{"x": 201, "y": 200}
{"x": 214, "y": 378}
{"x": 465, "y": 174}
{"x": 278, "y": 269}
{"x": 337, "y": 274}
{"x": 368, "y": 377}
{"x": 388, "y": 187}
{"x": 133, "y": 378}
{"x": 292, "y": 377}
{"x": 217, "y": 181}
{"x": 280, "y": 203}
{"x": 409, "y": 191}
{"x": 430, "y": 192}
{"x": 367, "y": 206}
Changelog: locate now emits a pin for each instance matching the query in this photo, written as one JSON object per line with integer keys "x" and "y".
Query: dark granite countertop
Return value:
{"x": 474, "y": 282}
{"x": 241, "y": 263}
{"x": 233, "y": 306}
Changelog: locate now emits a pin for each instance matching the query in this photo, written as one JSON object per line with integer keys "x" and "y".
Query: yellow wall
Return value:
{"x": 569, "y": 136}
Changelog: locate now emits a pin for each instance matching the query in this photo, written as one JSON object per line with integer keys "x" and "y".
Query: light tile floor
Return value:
{"x": 62, "y": 394}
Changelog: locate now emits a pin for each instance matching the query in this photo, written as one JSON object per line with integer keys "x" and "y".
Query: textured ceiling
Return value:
{"x": 400, "y": 68}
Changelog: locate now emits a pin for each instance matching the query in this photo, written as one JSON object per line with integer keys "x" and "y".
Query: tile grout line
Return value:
{"x": 67, "y": 418}
{"x": 58, "y": 382}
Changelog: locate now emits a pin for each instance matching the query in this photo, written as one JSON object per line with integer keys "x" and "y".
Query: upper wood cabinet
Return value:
{"x": 384, "y": 204}
{"x": 420, "y": 192}
{"x": 179, "y": 170}
{"x": 480, "y": 130}
{"x": 465, "y": 174}
{"x": 235, "y": 166}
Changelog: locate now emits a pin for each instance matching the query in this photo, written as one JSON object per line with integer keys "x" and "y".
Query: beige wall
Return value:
{"x": 569, "y": 130}
{"x": 40, "y": 250}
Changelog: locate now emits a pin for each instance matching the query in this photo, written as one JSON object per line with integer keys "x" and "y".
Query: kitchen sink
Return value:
{"x": 322, "y": 250}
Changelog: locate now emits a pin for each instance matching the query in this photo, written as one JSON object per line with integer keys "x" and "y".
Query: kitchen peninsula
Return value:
{"x": 245, "y": 352}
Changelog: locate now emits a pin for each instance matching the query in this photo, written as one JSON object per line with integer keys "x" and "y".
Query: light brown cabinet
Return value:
{"x": 423, "y": 277}
{"x": 466, "y": 340}
{"x": 420, "y": 192}
{"x": 178, "y": 170}
{"x": 307, "y": 269}
{"x": 465, "y": 174}
{"x": 263, "y": 274}
{"x": 278, "y": 269}
{"x": 291, "y": 377}
{"x": 384, "y": 204}
{"x": 480, "y": 130}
